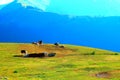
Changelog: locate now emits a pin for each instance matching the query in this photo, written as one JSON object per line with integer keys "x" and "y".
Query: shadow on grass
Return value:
{"x": 18, "y": 56}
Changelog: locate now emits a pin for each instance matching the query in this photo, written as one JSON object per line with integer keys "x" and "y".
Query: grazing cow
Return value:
{"x": 36, "y": 43}
{"x": 51, "y": 54}
{"x": 44, "y": 54}
{"x": 56, "y": 44}
{"x": 40, "y": 42}
{"x": 25, "y": 54}
{"x": 62, "y": 47}
{"x": 36, "y": 55}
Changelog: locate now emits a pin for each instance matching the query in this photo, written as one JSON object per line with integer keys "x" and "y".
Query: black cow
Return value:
{"x": 51, "y": 54}
{"x": 62, "y": 46}
{"x": 56, "y": 44}
{"x": 25, "y": 54}
{"x": 40, "y": 42}
{"x": 36, "y": 55}
{"x": 44, "y": 54}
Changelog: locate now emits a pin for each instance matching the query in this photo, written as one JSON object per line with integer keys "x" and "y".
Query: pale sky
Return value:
{"x": 86, "y": 7}
{"x": 2, "y": 2}
{"x": 75, "y": 7}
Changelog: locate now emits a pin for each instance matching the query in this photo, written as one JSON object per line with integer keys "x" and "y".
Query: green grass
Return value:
{"x": 70, "y": 63}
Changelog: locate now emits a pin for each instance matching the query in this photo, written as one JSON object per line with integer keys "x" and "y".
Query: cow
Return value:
{"x": 61, "y": 46}
{"x": 36, "y": 43}
{"x": 43, "y": 54}
{"x": 40, "y": 42}
{"x": 51, "y": 54}
{"x": 25, "y": 54}
{"x": 35, "y": 55}
{"x": 56, "y": 44}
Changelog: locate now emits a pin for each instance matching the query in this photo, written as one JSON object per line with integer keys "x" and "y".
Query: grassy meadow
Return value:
{"x": 70, "y": 63}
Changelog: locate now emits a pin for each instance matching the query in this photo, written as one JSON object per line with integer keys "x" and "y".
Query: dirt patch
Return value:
{"x": 103, "y": 75}
{"x": 109, "y": 74}
{"x": 115, "y": 71}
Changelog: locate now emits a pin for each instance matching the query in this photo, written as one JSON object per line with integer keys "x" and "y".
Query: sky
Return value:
{"x": 74, "y": 7}
{"x": 86, "y": 7}
{"x": 2, "y": 2}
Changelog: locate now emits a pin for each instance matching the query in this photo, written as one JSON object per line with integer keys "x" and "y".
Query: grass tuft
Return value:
{"x": 15, "y": 71}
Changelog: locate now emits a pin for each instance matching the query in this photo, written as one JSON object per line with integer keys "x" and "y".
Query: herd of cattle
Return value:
{"x": 43, "y": 54}
{"x": 41, "y": 43}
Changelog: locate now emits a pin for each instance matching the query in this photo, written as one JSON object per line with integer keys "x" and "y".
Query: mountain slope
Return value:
{"x": 20, "y": 24}
{"x": 68, "y": 60}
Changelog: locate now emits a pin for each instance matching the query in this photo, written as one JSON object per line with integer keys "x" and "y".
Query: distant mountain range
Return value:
{"x": 28, "y": 24}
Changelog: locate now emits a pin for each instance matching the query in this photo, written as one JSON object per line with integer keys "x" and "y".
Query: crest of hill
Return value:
{"x": 68, "y": 50}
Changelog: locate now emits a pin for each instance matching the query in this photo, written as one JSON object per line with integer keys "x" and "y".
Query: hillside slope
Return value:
{"x": 68, "y": 49}
{"x": 68, "y": 64}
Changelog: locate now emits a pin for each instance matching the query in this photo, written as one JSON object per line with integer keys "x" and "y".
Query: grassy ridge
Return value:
{"x": 70, "y": 63}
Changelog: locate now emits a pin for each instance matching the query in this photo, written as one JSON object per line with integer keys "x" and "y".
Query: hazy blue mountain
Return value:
{"x": 1, "y": 6}
{"x": 20, "y": 24}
